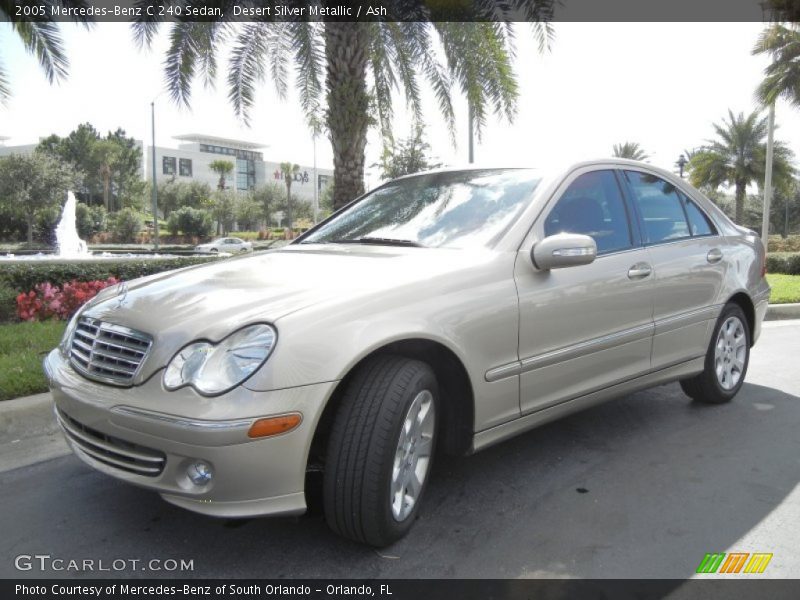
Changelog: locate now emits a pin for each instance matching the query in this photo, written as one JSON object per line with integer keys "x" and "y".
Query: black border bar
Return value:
{"x": 123, "y": 11}
{"x": 744, "y": 587}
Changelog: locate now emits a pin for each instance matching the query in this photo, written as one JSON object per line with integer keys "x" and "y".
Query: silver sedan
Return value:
{"x": 445, "y": 311}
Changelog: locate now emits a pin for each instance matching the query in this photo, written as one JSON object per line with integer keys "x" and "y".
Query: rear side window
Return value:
{"x": 698, "y": 221}
{"x": 592, "y": 205}
{"x": 660, "y": 206}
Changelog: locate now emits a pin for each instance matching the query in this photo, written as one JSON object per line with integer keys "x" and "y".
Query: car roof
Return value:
{"x": 553, "y": 169}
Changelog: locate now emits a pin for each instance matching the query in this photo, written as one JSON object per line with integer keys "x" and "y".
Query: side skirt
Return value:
{"x": 500, "y": 433}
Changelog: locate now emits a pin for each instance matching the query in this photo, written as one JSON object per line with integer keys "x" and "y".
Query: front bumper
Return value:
{"x": 149, "y": 436}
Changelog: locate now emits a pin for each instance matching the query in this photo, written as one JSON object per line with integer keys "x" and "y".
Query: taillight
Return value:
{"x": 763, "y": 264}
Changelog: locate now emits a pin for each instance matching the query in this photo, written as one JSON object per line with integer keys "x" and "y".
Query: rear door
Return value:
{"x": 686, "y": 252}
{"x": 586, "y": 327}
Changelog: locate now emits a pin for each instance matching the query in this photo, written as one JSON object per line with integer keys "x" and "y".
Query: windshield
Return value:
{"x": 464, "y": 209}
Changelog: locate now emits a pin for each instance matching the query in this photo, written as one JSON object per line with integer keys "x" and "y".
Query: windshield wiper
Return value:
{"x": 380, "y": 241}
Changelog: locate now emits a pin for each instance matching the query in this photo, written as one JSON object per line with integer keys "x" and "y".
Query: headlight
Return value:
{"x": 66, "y": 340}
{"x": 216, "y": 368}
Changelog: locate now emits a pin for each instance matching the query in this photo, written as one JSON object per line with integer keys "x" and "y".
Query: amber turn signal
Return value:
{"x": 274, "y": 425}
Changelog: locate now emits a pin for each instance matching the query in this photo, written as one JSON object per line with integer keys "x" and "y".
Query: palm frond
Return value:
{"x": 181, "y": 59}
{"x": 43, "y": 39}
{"x": 246, "y": 67}
{"x": 310, "y": 58}
{"x": 5, "y": 86}
{"x": 383, "y": 78}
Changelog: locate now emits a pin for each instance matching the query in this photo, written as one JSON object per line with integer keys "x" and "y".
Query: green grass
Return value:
{"x": 22, "y": 349}
{"x": 785, "y": 288}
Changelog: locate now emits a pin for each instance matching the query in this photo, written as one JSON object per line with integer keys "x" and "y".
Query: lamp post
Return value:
{"x": 768, "y": 176}
{"x": 316, "y": 181}
{"x": 471, "y": 133}
{"x": 681, "y": 164}
{"x": 155, "y": 185}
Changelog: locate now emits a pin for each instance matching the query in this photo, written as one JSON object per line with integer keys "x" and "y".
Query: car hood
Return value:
{"x": 211, "y": 301}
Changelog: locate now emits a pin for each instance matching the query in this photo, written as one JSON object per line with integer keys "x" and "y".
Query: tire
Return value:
{"x": 726, "y": 360}
{"x": 381, "y": 446}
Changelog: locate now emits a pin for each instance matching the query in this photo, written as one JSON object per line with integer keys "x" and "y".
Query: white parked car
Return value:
{"x": 232, "y": 245}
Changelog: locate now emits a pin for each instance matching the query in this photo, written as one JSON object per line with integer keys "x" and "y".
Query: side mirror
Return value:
{"x": 563, "y": 250}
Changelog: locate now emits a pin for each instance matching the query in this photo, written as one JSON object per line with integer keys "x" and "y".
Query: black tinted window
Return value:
{"x": 660, "y": 207}
{"x": 698, "y": 221}
{"x": 593, "y": 205}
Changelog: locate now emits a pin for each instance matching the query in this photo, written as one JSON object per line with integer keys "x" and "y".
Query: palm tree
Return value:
{"x": 223, "y": 168}
{"x": 106, "y": 155}
{"x": 333, "y": 61}
{"x": 631, "y": 150}
{"x": 782, "y": 76}
{"x": 40, "y": 38}
{"x": 737, "y": 157}
{"x": 289, "y": 171}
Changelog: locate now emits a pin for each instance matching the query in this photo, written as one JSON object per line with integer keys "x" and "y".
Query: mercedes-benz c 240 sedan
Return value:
{"x": 443, "y": 311}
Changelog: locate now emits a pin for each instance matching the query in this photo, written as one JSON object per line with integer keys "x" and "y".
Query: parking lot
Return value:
{"x": 641, "y": 487}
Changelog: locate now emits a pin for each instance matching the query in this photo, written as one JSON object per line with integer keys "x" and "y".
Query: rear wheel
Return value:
{"x": 726, "y": 360}
{"x": 380, "y": 450}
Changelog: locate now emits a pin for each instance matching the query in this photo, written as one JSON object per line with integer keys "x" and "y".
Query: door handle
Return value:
{"x": 714, "y": 255}
{"x": 640, "y": 271}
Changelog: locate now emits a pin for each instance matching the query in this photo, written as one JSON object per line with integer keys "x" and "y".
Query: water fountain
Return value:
{"x": 70, "y": 247}
{"x": 68, "y": 243}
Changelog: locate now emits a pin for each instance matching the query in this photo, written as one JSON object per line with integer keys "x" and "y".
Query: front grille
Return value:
{"x": 107, "y": 352}
{"x": 113, "y": 451}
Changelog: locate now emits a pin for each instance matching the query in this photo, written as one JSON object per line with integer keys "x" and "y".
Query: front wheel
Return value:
{"x": 380, "y": 450}
{"x": 726, "y": 360}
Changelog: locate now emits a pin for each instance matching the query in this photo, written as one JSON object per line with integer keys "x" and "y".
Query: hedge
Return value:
{"x": 787, "y": 263}
{"x": 23, "y": 276}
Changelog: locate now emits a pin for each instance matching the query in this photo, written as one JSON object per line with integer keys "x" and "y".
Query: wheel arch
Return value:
{"x": 455, "y": 394}
{"x": 744, "y": 302}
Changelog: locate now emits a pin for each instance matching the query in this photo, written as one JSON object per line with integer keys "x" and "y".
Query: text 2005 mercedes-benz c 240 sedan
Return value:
{"x": 447, "y": 310}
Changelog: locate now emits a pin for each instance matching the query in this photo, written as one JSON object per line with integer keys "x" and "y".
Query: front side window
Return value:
{"x": 660, "y": 207}
{"x": 463, "y": 209}
{"x": 592, "y": 205}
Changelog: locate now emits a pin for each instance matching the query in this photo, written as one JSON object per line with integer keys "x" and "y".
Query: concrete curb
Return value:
{"x": 776, "y": 312}
{"x": 29, "y": 433}
{"x": 27, "y": 417}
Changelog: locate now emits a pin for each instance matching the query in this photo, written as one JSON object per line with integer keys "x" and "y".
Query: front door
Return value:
{"x": 586, "y": 327}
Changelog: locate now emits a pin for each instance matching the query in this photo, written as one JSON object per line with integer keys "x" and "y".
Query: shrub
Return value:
{"x": 45, "y": 225}
{"x": 173, "y": 226}
{"x": 8, "y": 302}
{"x": 194, "y": 221}
{"x": 47, "y": 301}
{"x": 126, "y": 226}
{"x": 25, "y": 275}
{"x": 787, "y": 263}
{"x": 780, "y": 244}
{"x": 89, "y": 220}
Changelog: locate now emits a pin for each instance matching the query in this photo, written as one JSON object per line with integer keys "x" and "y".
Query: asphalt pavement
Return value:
{"x": 640, "y": 487}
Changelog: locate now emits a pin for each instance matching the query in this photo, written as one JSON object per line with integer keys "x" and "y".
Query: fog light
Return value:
{"x": 199, "y": 473}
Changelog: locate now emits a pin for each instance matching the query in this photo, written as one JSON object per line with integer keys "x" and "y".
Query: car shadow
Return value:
{"x": 640, "y": 487}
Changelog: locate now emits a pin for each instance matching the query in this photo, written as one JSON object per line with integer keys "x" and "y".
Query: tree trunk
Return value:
{"x": 29, "y": 220}
{"x": 346, "y": 47}
{"x": 741, "y": 190}
{"x": 289, "y": 221}
{"x": 107, "y": 192}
